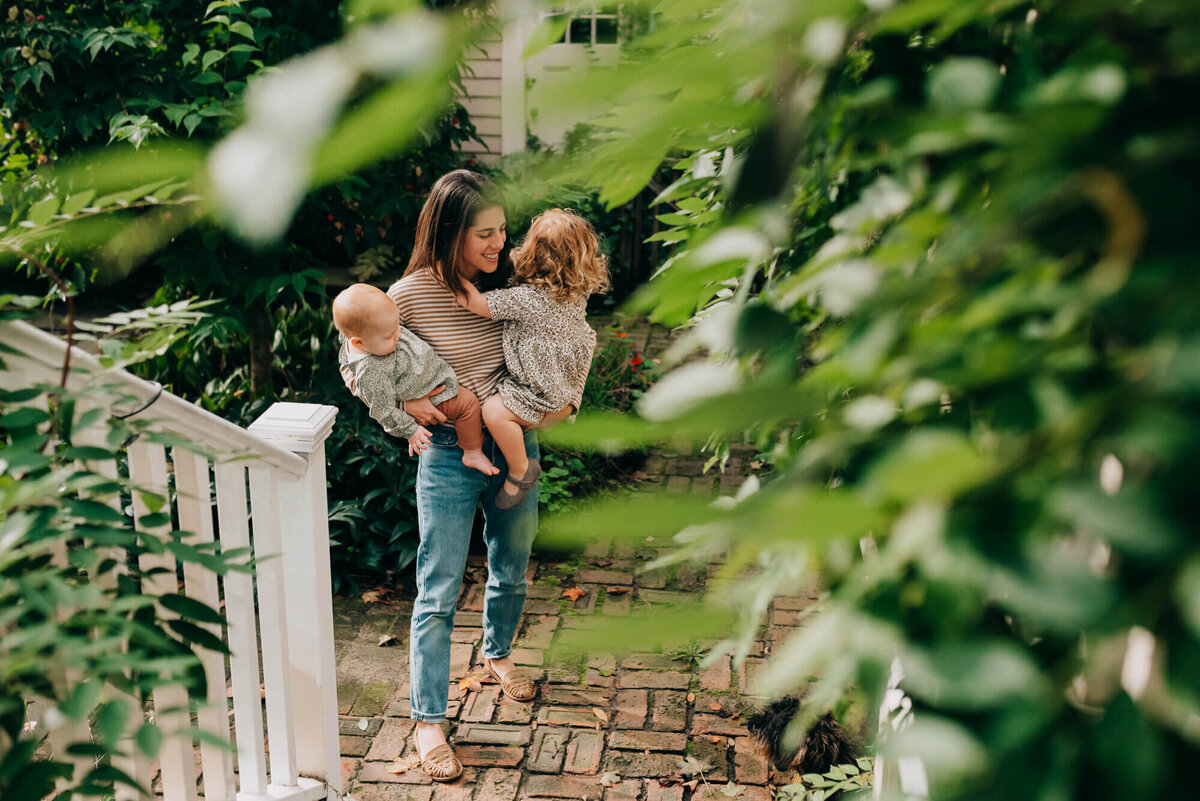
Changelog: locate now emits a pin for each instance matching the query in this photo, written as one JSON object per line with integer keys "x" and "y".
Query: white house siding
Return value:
{"x": 481, "y": 79}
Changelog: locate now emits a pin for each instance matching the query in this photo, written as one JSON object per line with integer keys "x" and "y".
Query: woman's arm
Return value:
{"x": 476, "y": 303}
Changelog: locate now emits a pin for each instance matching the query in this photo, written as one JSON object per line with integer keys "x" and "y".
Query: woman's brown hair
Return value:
{"x": 561, "y": 253}
{"x": 454, "y": 201}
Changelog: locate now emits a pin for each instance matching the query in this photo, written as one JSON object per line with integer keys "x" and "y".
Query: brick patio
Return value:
{"x": 605, "y": 728}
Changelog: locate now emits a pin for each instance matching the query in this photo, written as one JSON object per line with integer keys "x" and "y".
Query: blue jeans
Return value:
{"x": 447, "y": 493}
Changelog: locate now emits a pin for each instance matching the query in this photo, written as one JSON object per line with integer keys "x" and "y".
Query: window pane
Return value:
{"x": 581, "y": 30}
{"x": 606, "y": 30}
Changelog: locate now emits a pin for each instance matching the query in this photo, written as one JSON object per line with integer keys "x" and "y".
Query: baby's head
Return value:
{"x": 561, "y": 253}
{"x": 368, "y": 318}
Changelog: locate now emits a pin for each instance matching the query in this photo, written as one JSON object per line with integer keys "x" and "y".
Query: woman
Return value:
{"x": 461, "y": 235}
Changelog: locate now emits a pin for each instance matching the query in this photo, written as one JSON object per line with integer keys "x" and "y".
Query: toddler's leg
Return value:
{"x": 463, "y": 411}
{"x": 509, "y": 432}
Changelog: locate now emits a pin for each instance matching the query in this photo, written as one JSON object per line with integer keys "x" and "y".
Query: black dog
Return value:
{"x": 826, "y": 744}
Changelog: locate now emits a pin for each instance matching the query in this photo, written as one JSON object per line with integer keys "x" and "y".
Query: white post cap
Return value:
{"x": 298, "y": 427}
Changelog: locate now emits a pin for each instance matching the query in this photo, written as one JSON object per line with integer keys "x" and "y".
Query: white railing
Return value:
{"x": 281, "y": 458}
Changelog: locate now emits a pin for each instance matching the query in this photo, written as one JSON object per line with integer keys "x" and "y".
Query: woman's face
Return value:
{"x": 482, "y": 243}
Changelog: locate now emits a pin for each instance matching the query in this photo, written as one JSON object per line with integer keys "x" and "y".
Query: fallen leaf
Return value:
{"x": 386, "y": 639}
{"x": 691, "y": 697}
{"x": 377, "y": 595}
{"x": 362, "y": 724}
{"x": 690, "y": 766}
{"x": 714, "y": 706}
{"x": 609, "y": 779}
{"x": 600, "y": 713}
{"x": 691, "y": 785}
{"x": 716, "y": 740}
{"x": 472, "y": 682}
{"x": 601, "y": 562}
{"x": 575, "y": 593}
{"x": 616, "y": 590}
{"x": 732, "y": 790}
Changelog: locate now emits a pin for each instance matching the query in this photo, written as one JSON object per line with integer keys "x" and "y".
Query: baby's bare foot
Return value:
{"x": 477, "y": 460}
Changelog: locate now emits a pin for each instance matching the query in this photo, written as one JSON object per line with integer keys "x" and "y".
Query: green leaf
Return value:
{"x": 26, "y": 417}
{"x": 149, "y": 739}
{"x": 929, "y": 463}
{"x": 110, "y": 721}
{"x": 963, "y": 83}
{"x": 43, "y": 211}
{"x": 192, "y": 609}
{"x": 191, "y": 633}
{"x": 210, "y": 58}
{"x": 82, "y": 699}
{"x": 189, "y": 53}
{"x": 78, "y": 201}
{"x": 548, "y": 31}
{"x": 243, "y": 28}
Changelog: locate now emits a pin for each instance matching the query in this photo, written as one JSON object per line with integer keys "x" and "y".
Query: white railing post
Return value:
{"x": 303, "y": 514}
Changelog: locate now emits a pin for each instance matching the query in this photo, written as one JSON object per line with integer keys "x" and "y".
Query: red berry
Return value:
{"x": 329, "y": 217}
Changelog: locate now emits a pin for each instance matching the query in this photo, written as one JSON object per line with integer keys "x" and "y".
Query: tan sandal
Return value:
{"x": 517, "y": 684}
{"x": 440, "y": 764}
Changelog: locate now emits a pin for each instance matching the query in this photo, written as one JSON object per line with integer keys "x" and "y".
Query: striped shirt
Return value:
{"x": 472, "y": 345}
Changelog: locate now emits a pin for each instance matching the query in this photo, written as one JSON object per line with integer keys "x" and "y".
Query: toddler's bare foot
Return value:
{"x": 480, "y": 462}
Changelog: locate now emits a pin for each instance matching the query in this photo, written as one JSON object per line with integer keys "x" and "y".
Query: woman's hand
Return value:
{"x": 423, "y": 411}
{"x": 554, "y": 418}
{"x": 419, "y": 441}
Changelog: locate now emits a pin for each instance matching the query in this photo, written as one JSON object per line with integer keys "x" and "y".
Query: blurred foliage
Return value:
{"x": 71, "y": 586}
{"x": 939, "y": 256}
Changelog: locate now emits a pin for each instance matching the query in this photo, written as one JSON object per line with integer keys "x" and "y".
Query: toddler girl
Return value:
{"x": 547, "y": 341}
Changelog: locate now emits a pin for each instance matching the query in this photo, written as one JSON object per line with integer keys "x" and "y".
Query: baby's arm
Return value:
{"x": 476, "y": 303}
{"x": 384, "y": 407}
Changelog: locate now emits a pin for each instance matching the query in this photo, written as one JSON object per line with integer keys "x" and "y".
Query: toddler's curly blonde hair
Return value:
{"x": 561, "y": 254}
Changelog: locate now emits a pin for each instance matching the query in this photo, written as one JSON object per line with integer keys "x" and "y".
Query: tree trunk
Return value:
{"x": 259, "y": 326}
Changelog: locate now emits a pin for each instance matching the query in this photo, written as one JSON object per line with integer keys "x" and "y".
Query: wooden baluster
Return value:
{"x": 134, "y": 763}
{"x": 148, "y": 470}
{"x": 195, "y": 515}
{"x": 243, "y": 637}
{"x": 273, "y": 624}
{"x": 302, "y": 429}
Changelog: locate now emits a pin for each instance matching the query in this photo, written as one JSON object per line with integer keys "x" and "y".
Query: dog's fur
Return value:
{"x": 824, "y": 745}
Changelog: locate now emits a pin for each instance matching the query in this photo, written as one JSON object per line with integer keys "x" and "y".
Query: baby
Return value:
{"x": 391, "y": 364}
